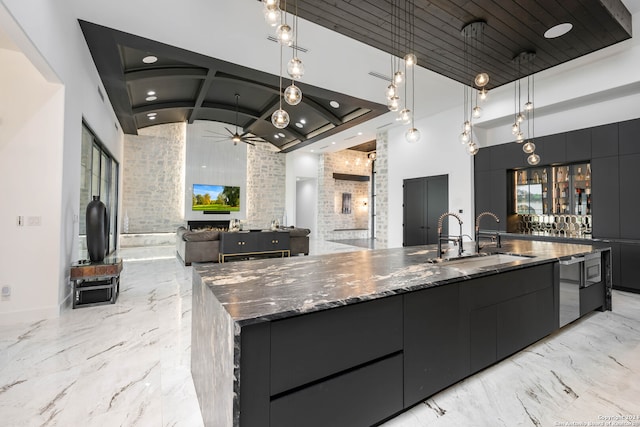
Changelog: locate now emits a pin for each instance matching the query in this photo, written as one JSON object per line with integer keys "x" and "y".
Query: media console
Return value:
{"x": 246, "y": 243}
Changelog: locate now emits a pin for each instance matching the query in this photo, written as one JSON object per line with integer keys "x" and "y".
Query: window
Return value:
{"x": 98, "y": 177}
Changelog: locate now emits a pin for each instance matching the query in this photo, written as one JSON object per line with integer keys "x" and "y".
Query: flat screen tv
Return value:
{"x": 215, "y": 198}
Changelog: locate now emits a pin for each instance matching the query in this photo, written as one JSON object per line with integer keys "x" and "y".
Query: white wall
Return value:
{"x": 300, "y": 165}
{"x": 306, "y": 202}
{"x": 437, "y": 153}
{"x": 50, "y": 37}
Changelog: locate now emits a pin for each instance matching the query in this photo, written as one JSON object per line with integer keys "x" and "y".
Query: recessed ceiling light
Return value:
{"x": 152, "y": 117}
{"x": 276, "y": 136}
{"x": 303, "y": 121}
{"x": 558, "y": 30}
{"x": 152, "y": 114}
{"x": 359, "y": 133}
{"x": 281, "y": 135}
{"x": 149, "y": 59}
{"x": 300, "y": 125}
{"x": 151, "y": 93}
{"x": 203, "y": 166}
{"x": 333, "y": 143}
{"x": 334, "y": 104}
{"x": 312, "y": 151}
{"x": 151, "y": 98}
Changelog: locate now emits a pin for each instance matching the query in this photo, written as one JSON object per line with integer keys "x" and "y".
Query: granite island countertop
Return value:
{"x": 269, "y": 289}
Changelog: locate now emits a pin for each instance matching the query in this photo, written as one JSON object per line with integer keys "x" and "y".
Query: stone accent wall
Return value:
{"x": 153, "y": 179}
{"x": 330, "y": 190}
{"x": 266, "y": 170}
{"x": 382, "y": 190}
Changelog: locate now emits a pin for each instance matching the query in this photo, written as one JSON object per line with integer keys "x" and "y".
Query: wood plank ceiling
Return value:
{"x": 511, "y": 27}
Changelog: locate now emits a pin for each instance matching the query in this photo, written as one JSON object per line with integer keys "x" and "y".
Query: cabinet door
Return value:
{"x": 629, "y": 267}
{"x": 604, "y": 141}
{"x": 605, "y": 203}
{"x": 433, "y": 342}
{"x": 273, "y": 241}
{"x": 425, "y": 199}
{"x": 629, "y": 200}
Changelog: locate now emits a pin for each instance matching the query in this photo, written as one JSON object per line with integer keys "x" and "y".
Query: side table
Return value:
{"x": 95, "y": 283}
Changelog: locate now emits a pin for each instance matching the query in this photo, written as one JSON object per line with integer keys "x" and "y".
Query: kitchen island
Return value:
{"x": 354, "y": 338}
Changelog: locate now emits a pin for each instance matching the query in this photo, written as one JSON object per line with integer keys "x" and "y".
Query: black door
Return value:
{"x": 425, "y": 199}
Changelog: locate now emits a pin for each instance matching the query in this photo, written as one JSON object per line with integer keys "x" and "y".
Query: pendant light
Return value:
{"x": 295, "y": 68}
{"x": 280, "y": 118}
{"x": 472, "y": 33}
{"x": 272, "y": 12}
{"x": 413, "y": 134}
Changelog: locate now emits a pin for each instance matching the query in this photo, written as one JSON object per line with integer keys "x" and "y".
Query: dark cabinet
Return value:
{"x": 554, "y": 147}
{"x": 434, "y": 342}
{"x": 629, "y": 137}
{"x": 578, "y": 145}
{"x": 604, "y": 140}
{"x": 629, "y": 200}
{"x": 629, "y": 267}
{"x": 605, "y": 204}
{"x": 509, "y": 311}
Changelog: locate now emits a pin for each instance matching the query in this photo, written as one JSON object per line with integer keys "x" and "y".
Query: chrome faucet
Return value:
{"x": 495, "y": 235}
{"x": 455, "y": 240}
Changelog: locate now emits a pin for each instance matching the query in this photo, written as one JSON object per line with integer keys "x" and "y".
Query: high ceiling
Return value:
{"x": 511, "y": 27}
{"x": 191, "y": 86}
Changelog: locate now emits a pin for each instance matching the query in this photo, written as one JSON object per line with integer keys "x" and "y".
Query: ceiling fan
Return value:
{"x": 246, "y": 137}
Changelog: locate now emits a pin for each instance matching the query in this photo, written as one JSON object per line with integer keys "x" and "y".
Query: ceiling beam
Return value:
{"x": 202, "y": 93}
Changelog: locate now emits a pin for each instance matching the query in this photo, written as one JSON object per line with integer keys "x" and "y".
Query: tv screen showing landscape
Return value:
{"x": 220, "y": 198}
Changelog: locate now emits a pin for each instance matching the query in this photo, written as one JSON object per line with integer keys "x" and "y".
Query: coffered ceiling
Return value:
{"x": 190, "y": 86}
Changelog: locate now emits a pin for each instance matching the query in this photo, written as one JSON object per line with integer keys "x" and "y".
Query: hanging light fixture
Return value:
{"x": 295, "y": 68}
{"x": 272, "y": 12}
{"x": 472, "y": 33}
{"x": 284, "y": 32}
{"x": 280, "y": 118}
{"x": 392, "y": 93}
{"x": 527, "y": 113}
{"x": 413, "y": 134}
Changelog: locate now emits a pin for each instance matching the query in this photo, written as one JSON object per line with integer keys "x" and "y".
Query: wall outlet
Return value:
{"x": 34, "y": 221}
{"x": 6, "y": 292}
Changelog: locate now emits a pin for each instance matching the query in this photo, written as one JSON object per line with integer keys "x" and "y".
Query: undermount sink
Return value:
{"x": 484, "y": 261}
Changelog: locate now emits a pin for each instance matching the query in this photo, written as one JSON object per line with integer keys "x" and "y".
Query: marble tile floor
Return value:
{"x": 127, "y": 364}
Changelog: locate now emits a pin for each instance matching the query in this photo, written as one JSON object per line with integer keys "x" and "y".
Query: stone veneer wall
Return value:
{"x": 266, "y": 170}
{"x": 153, "y": 179}
{"x": 382, "y": 190}
{"x": 330, "y": 216}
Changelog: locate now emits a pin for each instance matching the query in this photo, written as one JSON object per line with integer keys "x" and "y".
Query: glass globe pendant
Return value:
{"x": 392, "y": 90}
{"x": 482, "y": 79}
{"x": 528, "y": 106}
{"x": 515, "y": 128}
{"x": 295, "y": 68}
{"x": 293, "y": 95}
{"x": 519, "y": 137}
{"x": 520, "y": 118}
{"x": 464, "y": 137}
{"x": 410, "y": 59}
{"x": 477, "y": 112}
{"x": 280, "y": 118}
{"x": 412, "y": 135}
{"x": 398, "y": 77}
{"x": 405, "y": 116}
{"x": 271, "y": 4}
{"x": 483, "y": 94}
{"x": 394, "y": 104}
{"x": 529, "y": 147}
{"x": 533, "y": 159}
{"x": 284, "y": 34}
{"x": 466, "y": 126}
{"x": 272, "y": 16}
{"x": 472, "y": 149}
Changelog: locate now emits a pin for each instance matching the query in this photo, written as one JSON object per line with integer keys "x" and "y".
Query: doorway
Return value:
{"x": 306, "y": 202}
{"x": 425, "y": 199}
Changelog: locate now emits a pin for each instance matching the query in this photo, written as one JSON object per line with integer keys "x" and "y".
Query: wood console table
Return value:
{"x": 96, "y": 283}
{"x": 245, "y": 243}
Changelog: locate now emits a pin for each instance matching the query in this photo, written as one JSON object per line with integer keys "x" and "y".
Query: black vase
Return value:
{"x": 97, "y": 229}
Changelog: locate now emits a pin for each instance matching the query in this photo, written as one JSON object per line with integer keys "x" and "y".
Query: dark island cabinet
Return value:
{"x": 435, "y": 342}
{"x": 509, "y": 311}
{"x": 629, "y": 267}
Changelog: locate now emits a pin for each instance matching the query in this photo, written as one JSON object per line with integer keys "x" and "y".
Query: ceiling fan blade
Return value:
{"x": 229, "y": 130}
{"x": 248, "y": 142}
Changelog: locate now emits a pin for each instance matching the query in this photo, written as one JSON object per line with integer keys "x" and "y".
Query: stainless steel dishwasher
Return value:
{"x": 577, "y": 273}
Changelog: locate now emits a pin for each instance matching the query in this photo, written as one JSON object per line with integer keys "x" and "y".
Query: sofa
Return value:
{"x": 203, "y": 245}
